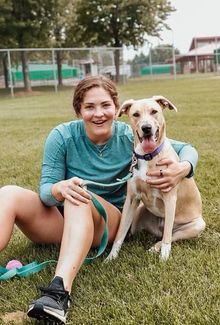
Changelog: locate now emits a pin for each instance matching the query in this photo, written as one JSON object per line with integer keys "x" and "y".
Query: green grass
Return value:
{"x": 137, "y": 288}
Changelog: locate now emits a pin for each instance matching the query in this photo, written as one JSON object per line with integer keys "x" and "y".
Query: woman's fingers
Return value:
{"x": 79, "y": 190}
{"x": 72, "y": 200}
{"x": 165, "y": 162}
{"x": 79, "y": 196}
{"x": 162, "y": 186}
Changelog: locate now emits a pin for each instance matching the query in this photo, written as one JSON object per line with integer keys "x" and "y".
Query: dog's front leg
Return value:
{"x": 170, "y": 208}
{"x": 126, "y": 220}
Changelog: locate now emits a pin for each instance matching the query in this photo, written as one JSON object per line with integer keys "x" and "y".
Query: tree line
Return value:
{"x": 78, "y": 23}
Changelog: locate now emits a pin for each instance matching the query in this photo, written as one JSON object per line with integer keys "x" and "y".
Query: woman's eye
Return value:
{"x": 136, "y": 114}
{"x": 154, "y": 111}
{"x": 106, "y": 105}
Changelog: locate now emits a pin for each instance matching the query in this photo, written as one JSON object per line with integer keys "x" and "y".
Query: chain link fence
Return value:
{"x": 28, "y": 68}
{"x": 164, "y": 62}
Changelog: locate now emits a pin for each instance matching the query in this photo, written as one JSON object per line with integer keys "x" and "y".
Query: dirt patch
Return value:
{"x": 16, "y": 317}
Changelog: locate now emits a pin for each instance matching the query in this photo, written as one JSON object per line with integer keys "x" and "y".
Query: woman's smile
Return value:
{"x": 99, "y": 123}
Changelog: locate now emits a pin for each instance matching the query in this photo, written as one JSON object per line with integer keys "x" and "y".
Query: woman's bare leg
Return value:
{"x": 24, "y": 208}
{"x": 83, "y": 228}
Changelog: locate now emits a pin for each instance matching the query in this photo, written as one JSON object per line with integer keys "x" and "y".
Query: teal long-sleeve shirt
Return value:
{"x": 69, "y": 152}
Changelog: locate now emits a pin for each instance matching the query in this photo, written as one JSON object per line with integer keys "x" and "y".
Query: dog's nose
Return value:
{"x": 146, "y": 128}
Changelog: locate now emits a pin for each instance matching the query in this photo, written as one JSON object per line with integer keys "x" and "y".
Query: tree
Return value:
{"x": 119, "y": 22}
{"x": 162, "y": 53}
{"x": 27, "y": 25}
{"x": 6, "y": 39}
{"x": 140, "y": 59}
{"x": 61, "y": 17}
{"x": 31, "y": 26}
{"x": 159, "y": 54}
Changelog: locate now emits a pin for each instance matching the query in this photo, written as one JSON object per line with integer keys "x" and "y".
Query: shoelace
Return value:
{"x": 53, "y": 293}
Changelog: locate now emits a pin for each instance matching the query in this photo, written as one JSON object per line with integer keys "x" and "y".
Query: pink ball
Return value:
{"x": 13, "y": 264}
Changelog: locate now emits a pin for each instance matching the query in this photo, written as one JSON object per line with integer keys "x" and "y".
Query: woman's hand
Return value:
{"x": 169, "y": 174}
{"x": 70, "y": 190}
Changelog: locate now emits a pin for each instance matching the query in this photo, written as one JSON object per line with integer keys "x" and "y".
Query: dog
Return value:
{"x": 172, "y": 215}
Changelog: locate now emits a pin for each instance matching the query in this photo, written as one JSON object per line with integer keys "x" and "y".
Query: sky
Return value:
{"x": 192, "y": 18}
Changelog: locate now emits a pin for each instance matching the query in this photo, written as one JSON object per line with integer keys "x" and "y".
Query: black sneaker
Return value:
{"x": 53, "y": 304}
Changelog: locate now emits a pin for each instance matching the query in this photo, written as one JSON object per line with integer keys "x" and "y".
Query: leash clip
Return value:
{"x": 134, "y": 163}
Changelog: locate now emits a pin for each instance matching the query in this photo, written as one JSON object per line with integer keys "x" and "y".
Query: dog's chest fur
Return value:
{"x": 151, "y": 197}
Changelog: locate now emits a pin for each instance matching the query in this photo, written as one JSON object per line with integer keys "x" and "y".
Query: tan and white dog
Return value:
{"x": 172, "y": 215}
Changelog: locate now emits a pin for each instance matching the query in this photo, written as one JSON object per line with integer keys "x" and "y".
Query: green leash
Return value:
{"x": 119, "y": 181}
{"x": 35, "y": 267}
{"x": 23, "y": 271}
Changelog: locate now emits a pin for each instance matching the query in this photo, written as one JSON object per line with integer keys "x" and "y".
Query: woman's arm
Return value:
{"x": 186, "y": 152}
{"x": 54, "y": 188}
{"x": 174, "y": 172}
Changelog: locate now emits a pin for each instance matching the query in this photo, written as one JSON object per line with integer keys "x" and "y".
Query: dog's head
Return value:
{"x": 147, "y": 120}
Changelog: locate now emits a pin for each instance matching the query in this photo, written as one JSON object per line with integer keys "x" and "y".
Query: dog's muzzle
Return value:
{"x": 148, "y": 133}
{"x": 147, "y": 130}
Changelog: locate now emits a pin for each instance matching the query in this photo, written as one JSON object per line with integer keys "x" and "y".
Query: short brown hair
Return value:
{"x": 90, "y": 82}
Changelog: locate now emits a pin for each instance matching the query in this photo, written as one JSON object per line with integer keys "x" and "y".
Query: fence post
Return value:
{"x": 10, "y": 74}
{"x": 123, "y": 66}
{"x": 150, "y": 61}
{"x": 54, "y": 71}
{"x": 174, "y": 63}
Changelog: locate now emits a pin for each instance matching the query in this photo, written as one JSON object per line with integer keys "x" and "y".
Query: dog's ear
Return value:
{"x": 124, "y": 107}
{"x": 164, "y": 102}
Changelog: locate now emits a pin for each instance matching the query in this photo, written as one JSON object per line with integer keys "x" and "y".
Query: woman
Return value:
{"x": 94, "y": 147}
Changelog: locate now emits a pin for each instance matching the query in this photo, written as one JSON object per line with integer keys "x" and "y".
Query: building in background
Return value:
{"x": 203, "y": 55}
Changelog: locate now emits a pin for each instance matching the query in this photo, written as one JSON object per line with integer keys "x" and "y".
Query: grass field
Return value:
{"x": 137, "y": 288}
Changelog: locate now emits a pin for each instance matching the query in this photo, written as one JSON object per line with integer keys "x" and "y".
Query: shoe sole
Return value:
{"x": 40, "y": 312}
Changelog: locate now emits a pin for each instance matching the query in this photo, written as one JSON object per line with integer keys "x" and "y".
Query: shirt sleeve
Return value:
{"x": 53, "y": 167}
{"x": 186, "y": 152}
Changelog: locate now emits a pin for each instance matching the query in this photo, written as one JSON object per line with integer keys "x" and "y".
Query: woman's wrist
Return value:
{"x": 186, "y": 168}
{"x": 55, "y": 191}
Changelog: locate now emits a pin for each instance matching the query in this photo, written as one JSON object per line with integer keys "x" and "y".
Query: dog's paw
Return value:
{"x": 112, "y": 256}
{"x": 114, "y": 252}
{"x": 165, "y": 251}
{"x": 156, "y": 248}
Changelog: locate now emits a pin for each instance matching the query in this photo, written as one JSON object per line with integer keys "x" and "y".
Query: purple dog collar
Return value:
{"x": 150, "y": 155}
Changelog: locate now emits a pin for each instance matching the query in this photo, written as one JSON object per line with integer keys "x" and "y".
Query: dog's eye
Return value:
{"x": 136, "y": 114}
{"x": 154, "y": 111}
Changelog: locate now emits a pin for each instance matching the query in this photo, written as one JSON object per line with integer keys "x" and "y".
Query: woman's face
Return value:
{"x": 98, "y": 112}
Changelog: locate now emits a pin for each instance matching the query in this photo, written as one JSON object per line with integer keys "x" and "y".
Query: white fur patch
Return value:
{"x": 114, "y": 252}
{"x": 165, "y": 251}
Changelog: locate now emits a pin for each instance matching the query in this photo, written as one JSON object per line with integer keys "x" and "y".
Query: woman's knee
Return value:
{"x": 76, "y": 210}
{"x": 16, "y": 200}
{"x": 8, "y": 189}
{"x": 9, "y": 195}
{"x": 11, "y": 191}
{"x": 16, "y": 195}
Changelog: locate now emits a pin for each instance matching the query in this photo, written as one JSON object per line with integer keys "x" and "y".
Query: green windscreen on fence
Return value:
{"x": 158, "y": 69}
{"x": 44, "y": 72}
